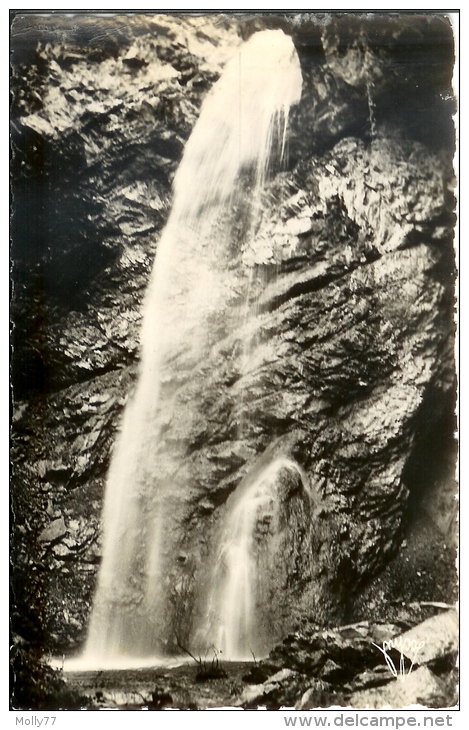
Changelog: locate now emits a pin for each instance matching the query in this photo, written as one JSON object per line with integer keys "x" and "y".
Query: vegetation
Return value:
{"x": 34, "y": 685}
{"x": 208, "y": 669}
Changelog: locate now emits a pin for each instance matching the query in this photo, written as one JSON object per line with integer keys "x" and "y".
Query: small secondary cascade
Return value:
{"x": 239, "y": 588}
{"x": 196, "y": 276}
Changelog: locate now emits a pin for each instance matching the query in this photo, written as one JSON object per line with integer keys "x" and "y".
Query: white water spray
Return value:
{"x": 235, "y": 606}
{"x": 195, "y": 277}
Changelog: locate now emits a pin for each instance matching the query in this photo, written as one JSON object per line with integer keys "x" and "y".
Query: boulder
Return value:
{"x": 54, "y": 531}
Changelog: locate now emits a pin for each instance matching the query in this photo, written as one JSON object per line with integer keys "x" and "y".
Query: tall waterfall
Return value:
{"x": 198, "y": 281}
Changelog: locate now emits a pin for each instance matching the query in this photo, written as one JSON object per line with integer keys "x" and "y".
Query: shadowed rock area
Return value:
{"x": 351, "y": 376}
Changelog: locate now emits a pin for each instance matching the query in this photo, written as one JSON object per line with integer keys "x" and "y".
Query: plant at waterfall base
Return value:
{"x": 180, "y": 598}
{"x": 208, "y": 668}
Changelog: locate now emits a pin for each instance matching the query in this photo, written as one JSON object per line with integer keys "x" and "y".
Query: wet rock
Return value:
{"x": 340, "y": 653}
{"x": 54, "y": 531}
{"x": 318, "y": 695}
{"x": 258, "y": 674}
{"x": 376, "y": 677}
{"x": 347, "y": 667}
{"x": 332, "y": 672}
{"x": 431, "y": 640}
{"x": 61, "y": 551}
{"x": 421, "y": 688}
{"x": 276, "y": 692}
{"x": 132, "y": 60}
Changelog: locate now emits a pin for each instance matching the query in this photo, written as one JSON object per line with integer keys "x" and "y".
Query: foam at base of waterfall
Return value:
{"x": 88, "y": 663}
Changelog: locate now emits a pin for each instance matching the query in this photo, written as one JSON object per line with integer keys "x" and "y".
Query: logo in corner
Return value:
{"x": 407, "y": 649}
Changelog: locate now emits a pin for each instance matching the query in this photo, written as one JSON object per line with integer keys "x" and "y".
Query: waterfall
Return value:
{"x": 239, "y": 602}
{"x": 197, "y": 280}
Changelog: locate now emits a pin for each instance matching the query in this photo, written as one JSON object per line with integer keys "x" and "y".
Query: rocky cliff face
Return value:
{"x": 353, "y": 269}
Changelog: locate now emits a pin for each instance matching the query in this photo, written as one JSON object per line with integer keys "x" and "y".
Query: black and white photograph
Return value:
{"x": 234, "y": 431}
